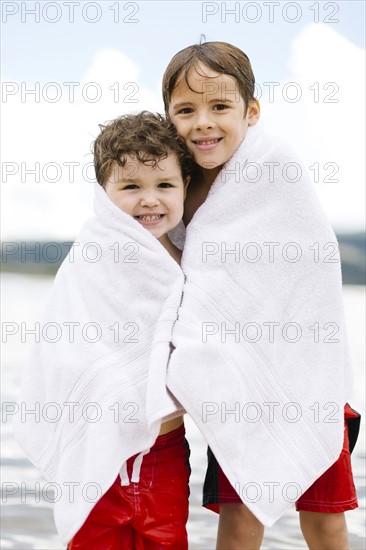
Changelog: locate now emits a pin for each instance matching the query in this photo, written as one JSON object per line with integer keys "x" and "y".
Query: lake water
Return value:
{"x": 27, "y": 520}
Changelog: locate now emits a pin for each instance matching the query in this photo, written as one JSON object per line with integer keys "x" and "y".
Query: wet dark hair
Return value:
{"x": 221, "y": 57}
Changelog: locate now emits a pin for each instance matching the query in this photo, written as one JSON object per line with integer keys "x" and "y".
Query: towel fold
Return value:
{"x": 105, "y": 344}
{"x": 261, "y": 359}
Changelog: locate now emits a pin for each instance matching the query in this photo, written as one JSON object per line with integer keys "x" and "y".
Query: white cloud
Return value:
{"x": 61, "y": 133}
{"x": 327, "y": 67}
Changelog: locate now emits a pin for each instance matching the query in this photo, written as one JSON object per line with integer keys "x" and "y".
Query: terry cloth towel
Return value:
{"x": 105, "y": 342}
{"x": 261, "y": 359}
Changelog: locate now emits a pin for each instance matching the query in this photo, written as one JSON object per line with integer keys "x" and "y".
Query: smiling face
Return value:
{"x": 153, "y": 195}
{"x": 212, "y": 116}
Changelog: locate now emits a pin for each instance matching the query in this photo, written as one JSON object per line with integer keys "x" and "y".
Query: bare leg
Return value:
{"x": 324, "y": 531}
{"x": 238, "y": 529}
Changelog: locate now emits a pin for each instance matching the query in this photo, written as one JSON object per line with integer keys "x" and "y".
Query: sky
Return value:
{"x": 68, "y": 66}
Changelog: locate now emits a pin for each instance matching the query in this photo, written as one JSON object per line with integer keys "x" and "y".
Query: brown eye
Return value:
{"x": 165, "y": 185}
{"x": 220, "y": 107}
{"x": 130, "y": 186}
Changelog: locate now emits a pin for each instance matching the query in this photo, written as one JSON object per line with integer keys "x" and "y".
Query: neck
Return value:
{"x": 208, "y": 176}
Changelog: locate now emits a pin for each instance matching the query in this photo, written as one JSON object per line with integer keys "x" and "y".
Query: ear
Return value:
{"x": 253, "y": 112}
{"x": 186, "y": 183}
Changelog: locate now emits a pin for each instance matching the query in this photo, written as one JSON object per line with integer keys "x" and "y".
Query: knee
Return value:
{"x": 326, "y": 526}
{"x": 240, "y": 517}
{"x": 238, "y": 528}
{"x": 331, "y": 525}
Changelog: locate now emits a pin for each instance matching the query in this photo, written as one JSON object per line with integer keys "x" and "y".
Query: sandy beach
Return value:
{"x": 27, "y": 517}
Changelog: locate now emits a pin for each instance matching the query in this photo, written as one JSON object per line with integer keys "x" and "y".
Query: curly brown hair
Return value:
{"x": 221, "y": 57}
{"x": 147, "y": 137}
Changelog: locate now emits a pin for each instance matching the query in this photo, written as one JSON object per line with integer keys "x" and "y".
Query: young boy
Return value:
{"x": 208, "y": 92}
{"x": 113, "y": 373}
{"x": 144, "y": 169}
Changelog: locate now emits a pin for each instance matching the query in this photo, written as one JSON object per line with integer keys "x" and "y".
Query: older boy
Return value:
{"x": 208, "y": 92}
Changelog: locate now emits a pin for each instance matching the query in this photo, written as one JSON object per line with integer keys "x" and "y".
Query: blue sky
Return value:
{"x": 63, "y": 50}
{"x": 303, "y": 42}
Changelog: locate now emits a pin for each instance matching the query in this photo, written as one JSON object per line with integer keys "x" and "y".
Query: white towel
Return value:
{"x": 121, "y": 288}
{"x": 269, "y": 395}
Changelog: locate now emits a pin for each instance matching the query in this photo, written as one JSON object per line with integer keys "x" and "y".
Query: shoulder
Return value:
{"x": 266, "y": 148}
{"x": 258, "y": 137}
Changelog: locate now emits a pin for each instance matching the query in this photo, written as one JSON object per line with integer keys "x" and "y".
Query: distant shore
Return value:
{"x": 45, "y": 257}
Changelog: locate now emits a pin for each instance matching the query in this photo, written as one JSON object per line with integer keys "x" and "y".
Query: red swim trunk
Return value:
{"x": 332, "y": 492}
{"x": 150, "y": 514}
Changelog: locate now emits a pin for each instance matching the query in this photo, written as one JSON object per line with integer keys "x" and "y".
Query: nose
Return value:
{"x": 149, "y": 199}
{"x": 203, "y": 120}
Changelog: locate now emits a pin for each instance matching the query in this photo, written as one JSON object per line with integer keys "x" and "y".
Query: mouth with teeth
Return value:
{"x": 149, "y": 219}
{"x": 206, "y": 144}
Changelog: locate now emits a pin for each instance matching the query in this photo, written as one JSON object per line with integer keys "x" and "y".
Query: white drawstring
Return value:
{"x": 137, "y": 466}
{"x": 124, "y": 475}
{"x": 137, "y": 463}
